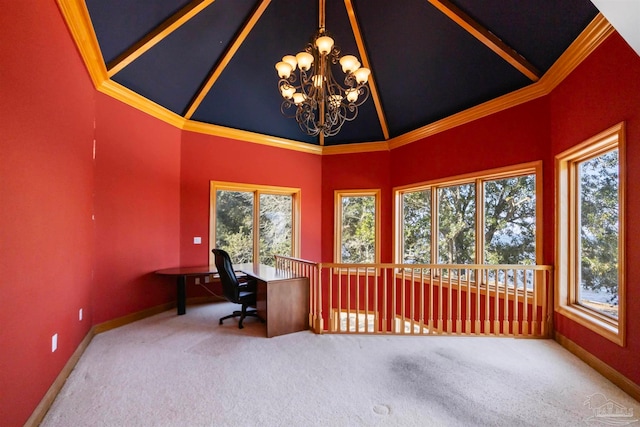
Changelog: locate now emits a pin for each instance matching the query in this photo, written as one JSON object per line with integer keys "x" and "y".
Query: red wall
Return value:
{"x": 46, "y": 199}
{"x": 517, "y": 135}
{"x": 364, "y": 171}
{"x": 149, "y": 191}
{"x": 137, "y": 208}
{"x": 206, "y": 158}
{"x": 602, "y": 91}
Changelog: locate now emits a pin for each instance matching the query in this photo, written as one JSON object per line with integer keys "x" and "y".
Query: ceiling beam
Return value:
{"x": 222, "y": 64}
{"x": 157, "y": 35}
{"x": 487, "y": 37}
{"x": 362, "y": 50}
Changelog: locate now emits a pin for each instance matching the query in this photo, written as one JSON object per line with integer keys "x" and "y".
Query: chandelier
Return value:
{"x": 311, "y": 94}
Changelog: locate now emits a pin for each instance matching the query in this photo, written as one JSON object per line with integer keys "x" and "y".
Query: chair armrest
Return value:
{"x": 247, "y": 284}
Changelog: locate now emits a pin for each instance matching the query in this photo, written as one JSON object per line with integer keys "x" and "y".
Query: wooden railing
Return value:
{"x": 308, "y": 269}
{"x": 495, "y": 300}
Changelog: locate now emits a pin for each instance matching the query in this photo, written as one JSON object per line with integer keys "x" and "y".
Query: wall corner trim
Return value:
{"x": 624, "y": 383}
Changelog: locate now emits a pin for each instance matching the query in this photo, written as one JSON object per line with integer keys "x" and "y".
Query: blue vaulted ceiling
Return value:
{"x": 425, "y": 65}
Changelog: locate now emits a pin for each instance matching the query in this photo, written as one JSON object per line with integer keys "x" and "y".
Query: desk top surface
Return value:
{"x": 259, "y": 271}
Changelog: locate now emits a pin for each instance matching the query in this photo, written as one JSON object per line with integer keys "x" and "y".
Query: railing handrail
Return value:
{"x": 304, "y": 261}
{"x": 537, "y": 267}
{"x": 439, "y": 266}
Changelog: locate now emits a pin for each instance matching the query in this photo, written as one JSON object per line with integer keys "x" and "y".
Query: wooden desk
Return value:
{"x": 282, "y": 300}
{"x": 181, "y": 274}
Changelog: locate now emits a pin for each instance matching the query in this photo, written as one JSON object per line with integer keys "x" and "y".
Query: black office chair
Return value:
{"x": 237, "y": 291}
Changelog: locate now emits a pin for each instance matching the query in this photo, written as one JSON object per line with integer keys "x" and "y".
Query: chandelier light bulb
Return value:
{"x": 317, "y": 80}
{"x": 291, "y": 60}
{"x": 352, "y": 95}
{"x": 305, "y": 60}
{"x": 349, "y": 64}
{"x": 287, "y": 91}
{"x": 324, "y": 44}
{"x": 362, "y": 75}
{"x": 298, "y": 98}
{"x": 284, "y": 69}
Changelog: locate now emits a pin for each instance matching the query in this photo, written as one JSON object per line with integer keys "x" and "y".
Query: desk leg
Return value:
{"x": 181, "y": 288}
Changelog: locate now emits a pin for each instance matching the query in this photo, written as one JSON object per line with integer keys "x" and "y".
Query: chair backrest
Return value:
{"x": 228, "y": 278}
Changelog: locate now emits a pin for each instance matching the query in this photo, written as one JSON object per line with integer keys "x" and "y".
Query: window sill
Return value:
{"x": 603, "y": 326}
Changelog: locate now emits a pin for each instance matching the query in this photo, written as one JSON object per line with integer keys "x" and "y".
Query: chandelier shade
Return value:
{"x": 310, "y": 92}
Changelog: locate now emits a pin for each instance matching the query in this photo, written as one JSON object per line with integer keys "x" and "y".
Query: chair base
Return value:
{"x": 242, "y": 315}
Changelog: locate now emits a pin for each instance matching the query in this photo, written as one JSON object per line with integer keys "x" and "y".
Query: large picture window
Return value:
{"x": 590, "y": 233}
{"x": 252, "y": 223}
{"x": 357, "y": 230}
{"x": 484, "y": 218}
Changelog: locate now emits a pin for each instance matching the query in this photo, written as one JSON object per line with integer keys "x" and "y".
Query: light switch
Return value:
{"x": 197, "y": 240}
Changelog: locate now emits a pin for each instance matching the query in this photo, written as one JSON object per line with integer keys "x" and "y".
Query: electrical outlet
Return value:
{"x": 206, "y": 279}
{"x": 197, "y": 280}
{"x": 80, "y": 315}
{"x": 197, "y": 240}
{"x": 54, "y": 343}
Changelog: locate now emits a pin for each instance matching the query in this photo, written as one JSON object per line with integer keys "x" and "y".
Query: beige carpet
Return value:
{"x": 171, "y": 370}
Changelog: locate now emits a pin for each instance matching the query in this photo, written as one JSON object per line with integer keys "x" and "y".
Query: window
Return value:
{"x": 590, "y": 233}
{"x": 357, "y": 222}
{"x": 254, "y": 222}
{"x": 484, "y": 218}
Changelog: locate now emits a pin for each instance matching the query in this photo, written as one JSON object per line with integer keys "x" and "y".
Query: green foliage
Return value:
{"x": 509, "y": 228}
{"x": 275, "y": 227}
{"x": 599, "y": 213}
{"x": 456, "y": 224}
{"x": 234, "y": 224}
{"x": 510, "y": 221}
{"x": 416, "y": 215}
{"x": 358, "y": 229}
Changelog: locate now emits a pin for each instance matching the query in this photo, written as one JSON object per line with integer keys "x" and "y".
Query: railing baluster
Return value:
{"x": 422, "y": 322}
{"x": 432, "y": 276}
{"x": 440, "y": 320}
{"x": 384, "y": 303}
{"x": 487, "y": 316}
{"x": 468, "y": 307}
{"x": 511, "y": 308}
{"x": 516, "y": 310}
{"x": 403, "y": 298}
{"x": 459, "y": 306}
{"x": 413, "y": 301}
{"x": 525, "y": 305}
{"x": 450, "y": 303}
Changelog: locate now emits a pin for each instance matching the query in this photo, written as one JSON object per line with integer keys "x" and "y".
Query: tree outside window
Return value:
{"x": 590, "y": 282}
{"x": 254, "y": 222}
{"x": 503, "y": 226}
{"x": 357, "y": 227}
{"x": 597, "y": 286}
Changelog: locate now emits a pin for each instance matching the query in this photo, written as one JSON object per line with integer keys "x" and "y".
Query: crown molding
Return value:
{"x": 363, "y": 147}
{"x": 79, "y": 23}
{"x": 246, "y": 136}
{"x": 596, "y": 32}
{"x": 76, "y": 16}
{"x": 135, "y": 100}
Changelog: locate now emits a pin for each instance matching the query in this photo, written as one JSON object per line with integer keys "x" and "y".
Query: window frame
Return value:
{"x": 566, "y": 233}
{"x": 478, "y": 178}
{"x": 256, "y": 190}
{"x": 337, "y": 242}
